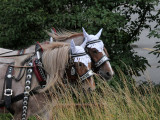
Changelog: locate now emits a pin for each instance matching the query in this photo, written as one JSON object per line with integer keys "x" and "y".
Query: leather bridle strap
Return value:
{"x": 78, "y": 54}
{"x": 92, "y": 42}
{"x": 8, "y": 89}
{"x": 101, "y": 61}
{"x": 86, "y": 75}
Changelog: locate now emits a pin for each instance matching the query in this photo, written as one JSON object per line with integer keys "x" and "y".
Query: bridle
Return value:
{"x": 86, "y": 75}
{"x": 103, "y": 59}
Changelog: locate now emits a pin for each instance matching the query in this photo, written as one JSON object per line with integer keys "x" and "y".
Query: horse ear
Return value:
{"x": 72, "y": 46}
{"x": 85, "y": 33}
{"x": 51, "y": 39}
{"x": 99, "y": 33}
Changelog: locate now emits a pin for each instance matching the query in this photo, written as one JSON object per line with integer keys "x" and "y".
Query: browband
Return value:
{"x": 78, "y": 54}
{"x": 92, "y": 42}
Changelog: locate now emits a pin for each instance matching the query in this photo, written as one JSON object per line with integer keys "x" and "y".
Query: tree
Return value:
{"x": 24, "y": 22}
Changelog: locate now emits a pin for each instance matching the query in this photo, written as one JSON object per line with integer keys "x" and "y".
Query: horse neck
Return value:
{"x": 30, "y": 49}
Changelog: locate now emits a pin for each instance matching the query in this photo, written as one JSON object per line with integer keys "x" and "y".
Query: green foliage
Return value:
{"x": 23, "y": 22}
{"x": 156, "y": 33}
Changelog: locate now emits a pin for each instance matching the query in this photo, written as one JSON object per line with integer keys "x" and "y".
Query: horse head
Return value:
{"x": 80, "y": 66}
{"x": 96, "y": 50}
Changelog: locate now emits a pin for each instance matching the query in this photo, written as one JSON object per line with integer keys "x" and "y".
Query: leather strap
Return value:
{"x": 8, "y": 90}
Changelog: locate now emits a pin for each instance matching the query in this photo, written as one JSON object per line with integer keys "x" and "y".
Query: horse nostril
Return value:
{"x": 108, "y": 74}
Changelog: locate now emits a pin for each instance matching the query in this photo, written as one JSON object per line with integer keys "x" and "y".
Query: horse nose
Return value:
{"x": 108, "y": 74}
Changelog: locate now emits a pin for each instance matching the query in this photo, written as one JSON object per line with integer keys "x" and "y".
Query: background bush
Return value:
{"x": 23, "y": 22}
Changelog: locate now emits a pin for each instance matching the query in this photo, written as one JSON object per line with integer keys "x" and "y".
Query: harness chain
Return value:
{"x": 27, "y": 90}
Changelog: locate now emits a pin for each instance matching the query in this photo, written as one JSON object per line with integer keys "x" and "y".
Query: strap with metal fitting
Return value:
{"x": 78, "y": 54}
{"x": 92, "y": 42}
{"x": 39, "y": 72}
{"x": 8, "y": 90}
{"x": 27, "y": 90}
{"x": 86, "y": 75}
{"x": 38, "y": 50}
{"x": 101, "y": 61}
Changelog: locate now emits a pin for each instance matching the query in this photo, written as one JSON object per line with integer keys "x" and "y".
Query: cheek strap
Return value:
{"x": 101, "y": 61}
{"x": 86, "y": 75}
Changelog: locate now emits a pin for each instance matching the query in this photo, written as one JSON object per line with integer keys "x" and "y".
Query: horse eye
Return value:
{"x": 94, "y": 51}
{"x": 80, "y": 64}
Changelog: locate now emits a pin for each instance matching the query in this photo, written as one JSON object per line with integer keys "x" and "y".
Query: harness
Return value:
{"x": 32, "y": 65}
{"x": 102, "y": 59}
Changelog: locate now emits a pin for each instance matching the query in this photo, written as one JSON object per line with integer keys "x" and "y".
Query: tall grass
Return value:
{"x": 106, "y": 103}
{"x": 70, "y": 102}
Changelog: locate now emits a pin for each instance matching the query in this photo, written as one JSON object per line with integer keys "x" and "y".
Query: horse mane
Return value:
{"x": 62, "y": 35}
{"x": 55, "y": 58}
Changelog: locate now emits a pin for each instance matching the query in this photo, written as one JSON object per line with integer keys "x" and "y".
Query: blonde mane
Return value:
{"x": 62, "y": 35}
{"x": 55, "y": 58}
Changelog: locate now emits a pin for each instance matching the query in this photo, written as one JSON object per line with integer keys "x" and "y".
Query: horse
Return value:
{"x": 92, "y": 45}
{"x": 44, "y": 68}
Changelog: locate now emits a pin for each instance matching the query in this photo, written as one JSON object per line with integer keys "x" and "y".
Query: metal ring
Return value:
{"x": 30, "y": 70}
{"x": 28, "y": 82}
{"x": 29, "y": 76}
{"x": 24, "y": 107}
{"x": 27, "y": 88}
{"x": 25, "y": 102}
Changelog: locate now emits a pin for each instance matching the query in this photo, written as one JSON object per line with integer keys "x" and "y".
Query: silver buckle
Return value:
{"x": 8, "y": 92}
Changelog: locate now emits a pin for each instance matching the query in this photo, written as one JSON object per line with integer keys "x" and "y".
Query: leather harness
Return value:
{"x": 32, "y": 65}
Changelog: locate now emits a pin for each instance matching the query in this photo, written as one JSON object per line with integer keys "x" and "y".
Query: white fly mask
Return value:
{"x": 85, "y": 59}
{"x": 89, "y": 38}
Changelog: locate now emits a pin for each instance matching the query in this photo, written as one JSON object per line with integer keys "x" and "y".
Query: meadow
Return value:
{"x": 105, "y": 103}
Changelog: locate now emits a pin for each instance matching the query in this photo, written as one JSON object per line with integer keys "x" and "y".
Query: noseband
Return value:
{"x": 102, "y": 59}
{"x": 88, "y": 74}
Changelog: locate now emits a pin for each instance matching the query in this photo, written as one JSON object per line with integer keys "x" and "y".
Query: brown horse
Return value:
{"x": 56, "y": 58}
{"x": 93, "y": 46}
